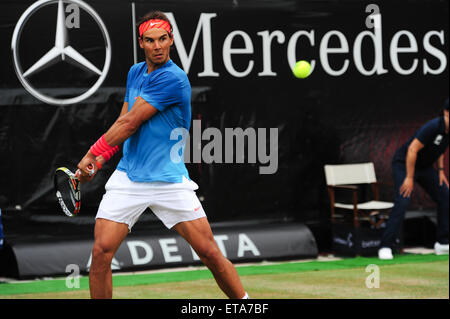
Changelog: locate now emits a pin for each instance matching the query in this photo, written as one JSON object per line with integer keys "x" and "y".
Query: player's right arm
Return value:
{"x": 411, "y": 158}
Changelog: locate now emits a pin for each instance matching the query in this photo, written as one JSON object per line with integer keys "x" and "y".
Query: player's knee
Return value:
{"x": 210, "y": 254}
{"x": 101, "y": 255}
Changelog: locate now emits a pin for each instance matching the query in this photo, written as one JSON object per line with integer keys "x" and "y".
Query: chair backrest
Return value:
{"x": 345, "y": 174}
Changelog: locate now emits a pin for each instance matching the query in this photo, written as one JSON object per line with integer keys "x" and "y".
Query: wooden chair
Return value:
{"x": 349, "y": 177}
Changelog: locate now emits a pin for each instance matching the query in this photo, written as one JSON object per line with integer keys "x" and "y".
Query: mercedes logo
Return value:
{"x": 61, "y": 51}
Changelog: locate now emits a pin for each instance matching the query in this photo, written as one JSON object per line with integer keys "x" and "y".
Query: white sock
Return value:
{"x": 245, "y": 296}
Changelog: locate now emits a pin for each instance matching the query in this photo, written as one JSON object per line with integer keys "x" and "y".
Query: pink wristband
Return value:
{"x": 108, "y": 154}
{"x": 100, "y": 147}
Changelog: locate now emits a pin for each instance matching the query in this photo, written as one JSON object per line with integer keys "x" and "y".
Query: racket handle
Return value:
{"x": 92, "y": 168}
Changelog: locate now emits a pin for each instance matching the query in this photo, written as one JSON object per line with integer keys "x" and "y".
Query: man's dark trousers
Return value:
{"x": 428, "y": 178}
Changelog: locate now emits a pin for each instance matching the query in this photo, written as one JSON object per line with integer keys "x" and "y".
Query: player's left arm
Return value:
{"x": 100, "y": 159}
{"x": 125, "y": 126}
{"x": 128, "y": 123}
{"x": 440, "y": 165}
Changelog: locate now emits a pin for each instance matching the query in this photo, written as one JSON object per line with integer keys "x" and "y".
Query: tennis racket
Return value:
{"x": 67, "y": 187}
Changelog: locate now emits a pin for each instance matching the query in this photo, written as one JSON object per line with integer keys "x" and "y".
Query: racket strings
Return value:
{"x": 67, "y": 188}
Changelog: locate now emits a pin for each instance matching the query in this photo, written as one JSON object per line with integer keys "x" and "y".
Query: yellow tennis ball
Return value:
{"x": 302, "y": 69}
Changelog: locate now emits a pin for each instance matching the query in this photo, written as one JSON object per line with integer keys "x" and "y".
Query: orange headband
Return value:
{"x": 154, "y": 23}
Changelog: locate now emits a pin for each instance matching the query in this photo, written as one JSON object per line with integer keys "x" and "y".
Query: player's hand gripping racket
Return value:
{"x": 67, "y": 187}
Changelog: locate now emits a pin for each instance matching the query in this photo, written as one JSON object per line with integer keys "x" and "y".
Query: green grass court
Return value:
{"x": 407, "y": 276}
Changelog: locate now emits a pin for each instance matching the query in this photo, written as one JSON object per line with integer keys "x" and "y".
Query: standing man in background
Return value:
{"x": 413, "y": 162}
{"x": 157, "y": 101}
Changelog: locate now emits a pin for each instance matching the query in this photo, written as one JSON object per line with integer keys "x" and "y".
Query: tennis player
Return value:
{"x": 157, "y": 101}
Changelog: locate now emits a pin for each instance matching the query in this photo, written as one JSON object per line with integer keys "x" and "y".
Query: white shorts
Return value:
{"x": 125, "y": 200}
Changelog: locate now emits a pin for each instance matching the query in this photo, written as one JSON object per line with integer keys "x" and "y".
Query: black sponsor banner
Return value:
{"x": 166, "y": 249}
{"x": 380, "y": 70}
{"x": 362, "y": 241}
